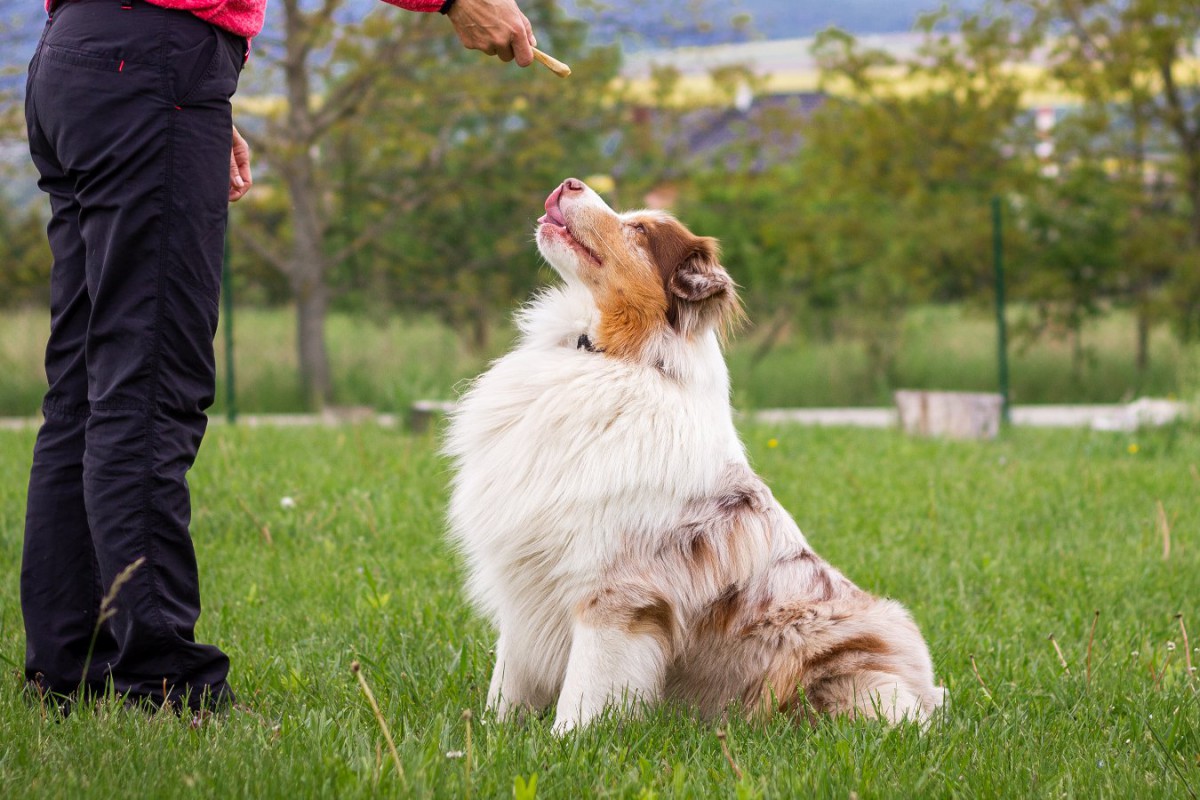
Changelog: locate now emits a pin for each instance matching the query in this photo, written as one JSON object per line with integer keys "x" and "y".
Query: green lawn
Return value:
{"x": 993, "y": 546}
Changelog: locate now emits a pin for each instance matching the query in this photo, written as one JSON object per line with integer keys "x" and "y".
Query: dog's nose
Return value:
{"x": 573, "y": 185}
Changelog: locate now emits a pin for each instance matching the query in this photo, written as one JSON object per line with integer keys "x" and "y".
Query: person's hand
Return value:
{"x": 239, "y": 168}
{"x": 495, "y": 27}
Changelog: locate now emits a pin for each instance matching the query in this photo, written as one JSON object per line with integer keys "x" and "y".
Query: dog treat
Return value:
{"x": 553, "y": 64}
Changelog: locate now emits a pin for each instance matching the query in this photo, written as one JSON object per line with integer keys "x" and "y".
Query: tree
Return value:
{"x": 24, "y": 255}
{"x": 1133, "y": 63}
{"x": 1072, "y": 224}
{"x": 24, "y": 251}
{"x": 499, "y": 140}
{"x": 403, "y": 159}
{"x": 888, "y": 202}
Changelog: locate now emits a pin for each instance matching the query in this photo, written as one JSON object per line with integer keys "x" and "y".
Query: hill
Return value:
{"x": 662, "y": 24}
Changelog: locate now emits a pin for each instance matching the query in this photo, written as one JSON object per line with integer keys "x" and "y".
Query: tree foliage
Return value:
{"x": 1135, "y": 140}
{"x": 408, "y": 167}
{"x": 887, "y": 203}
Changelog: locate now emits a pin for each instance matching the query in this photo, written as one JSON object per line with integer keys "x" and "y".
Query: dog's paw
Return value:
{"x": 563, "y": 726}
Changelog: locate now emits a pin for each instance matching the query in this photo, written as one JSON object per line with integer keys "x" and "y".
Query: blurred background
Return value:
{"x": 865, "y": 164}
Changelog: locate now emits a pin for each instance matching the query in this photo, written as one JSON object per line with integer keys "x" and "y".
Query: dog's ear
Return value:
{"x": 703, "y": 294}
{"x": 699, "y": 292}
{"x": 699, "y": 276}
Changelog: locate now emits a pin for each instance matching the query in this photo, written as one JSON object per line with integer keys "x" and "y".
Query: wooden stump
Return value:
{"x": 957, "y": 415}
{"x": 424, "y": 413}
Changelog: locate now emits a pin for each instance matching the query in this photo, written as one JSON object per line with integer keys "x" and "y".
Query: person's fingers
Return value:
{"x": 235, "y": 172}
{"x": 237, "y": 186}
{"x": 522, "y": 47}
{"x": 529, "y": 31}
{"x": 237, "y": 192}
{"x": 240, "y": 179}
{"x": 494, "y": 27}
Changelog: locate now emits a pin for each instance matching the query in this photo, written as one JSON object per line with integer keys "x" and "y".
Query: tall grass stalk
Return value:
{"x": 108, "y": 609}
{"x": 356, "y": 668}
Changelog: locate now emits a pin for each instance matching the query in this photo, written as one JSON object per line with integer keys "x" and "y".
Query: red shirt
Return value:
{"x": 245, "y": 17}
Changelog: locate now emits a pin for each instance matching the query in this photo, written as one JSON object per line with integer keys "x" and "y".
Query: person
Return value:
{"x": 130, "y": 128}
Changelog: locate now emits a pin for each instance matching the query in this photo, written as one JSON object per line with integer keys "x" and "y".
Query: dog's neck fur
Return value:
{"x": 557, "y": 317}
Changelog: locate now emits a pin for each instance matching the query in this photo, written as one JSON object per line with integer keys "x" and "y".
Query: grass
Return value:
{"x": 388, "y": 364}
{"x": 993, "y": 546}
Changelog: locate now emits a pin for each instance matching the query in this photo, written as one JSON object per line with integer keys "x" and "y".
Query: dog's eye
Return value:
{"x": 640, "y": 228}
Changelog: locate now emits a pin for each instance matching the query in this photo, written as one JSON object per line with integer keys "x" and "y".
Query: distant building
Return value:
{"x": 753, "y": 134}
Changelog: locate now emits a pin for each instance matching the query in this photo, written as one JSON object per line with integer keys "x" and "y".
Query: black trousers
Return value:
{"x": 129, "y": 120}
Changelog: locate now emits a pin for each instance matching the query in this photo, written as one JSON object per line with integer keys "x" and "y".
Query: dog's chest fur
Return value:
{"x": 567, "y": 457}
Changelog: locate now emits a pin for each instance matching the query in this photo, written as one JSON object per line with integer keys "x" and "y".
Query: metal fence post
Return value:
{"x": 227, "y": 313}
{"x": 1001, "y": 324}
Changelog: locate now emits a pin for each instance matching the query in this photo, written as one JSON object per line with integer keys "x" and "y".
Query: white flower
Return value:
{"x": 287, "y": 502}
{"x": 1170, "y": 645}
{"x": 454, "y": 754}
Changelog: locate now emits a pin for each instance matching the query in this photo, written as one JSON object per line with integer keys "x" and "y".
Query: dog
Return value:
{"x": 611, "y": 526}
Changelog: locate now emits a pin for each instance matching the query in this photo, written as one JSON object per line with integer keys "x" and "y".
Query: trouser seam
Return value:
{"x": 52, "y": 409}
{"x": 151, "y": 415}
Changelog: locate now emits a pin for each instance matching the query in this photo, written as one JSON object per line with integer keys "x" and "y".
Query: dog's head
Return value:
{"x": 648, "y": 274}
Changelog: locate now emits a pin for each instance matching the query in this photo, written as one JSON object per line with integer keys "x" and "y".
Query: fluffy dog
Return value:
{"x": 612, "y": 528}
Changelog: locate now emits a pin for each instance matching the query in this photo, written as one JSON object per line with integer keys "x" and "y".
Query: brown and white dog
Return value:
{"x": 612, "y": 528}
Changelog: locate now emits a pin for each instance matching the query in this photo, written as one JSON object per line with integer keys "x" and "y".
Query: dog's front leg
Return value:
{"x": 618, "y": 658}
{"x": 503, "y": 687}
{"x": 514, "y": 687}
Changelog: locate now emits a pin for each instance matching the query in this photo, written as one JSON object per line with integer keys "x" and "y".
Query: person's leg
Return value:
{"x": 60, "y": 579}
{"x": 136, "y": 103}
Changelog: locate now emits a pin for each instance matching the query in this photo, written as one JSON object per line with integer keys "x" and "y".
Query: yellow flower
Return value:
{"x": 772, "y": 443}
{"x": 1133, "y": 448}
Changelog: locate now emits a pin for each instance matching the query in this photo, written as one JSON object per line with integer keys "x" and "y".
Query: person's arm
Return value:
{"x": 495, "y": 27}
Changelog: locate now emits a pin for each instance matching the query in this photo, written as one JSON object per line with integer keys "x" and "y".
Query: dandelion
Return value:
{"x": 287, "y": 502}
{"x": 1170, "y": 645}
{"x": 1134, "y": 653}
{"x": 455, "y": 754}
{"x": 1133, "y": 448}
{"x": 772, "y": 443}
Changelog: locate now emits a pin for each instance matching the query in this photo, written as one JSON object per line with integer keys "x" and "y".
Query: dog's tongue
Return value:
{"x": 553, "y": 212}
